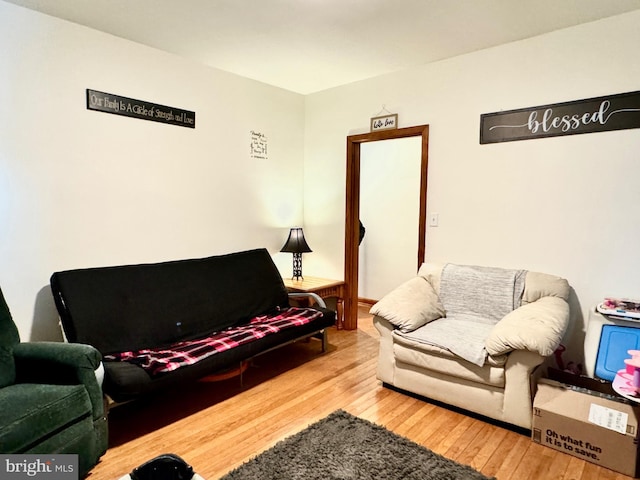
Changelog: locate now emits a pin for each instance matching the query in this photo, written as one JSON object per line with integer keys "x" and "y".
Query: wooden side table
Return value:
{"x": 324, "y": 288}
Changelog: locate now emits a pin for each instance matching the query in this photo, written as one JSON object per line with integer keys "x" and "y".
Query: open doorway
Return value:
{"x": 389, "y": 213}
{"x": 352, "y": 224}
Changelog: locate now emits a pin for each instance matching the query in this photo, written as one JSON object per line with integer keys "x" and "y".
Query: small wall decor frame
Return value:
{"x": 258, "y": 145}
{"x": 598, "y": 114}
{"x": 385, "y": 122}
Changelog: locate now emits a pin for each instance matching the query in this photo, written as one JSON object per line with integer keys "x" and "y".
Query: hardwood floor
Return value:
{"x": 217, "y": 426}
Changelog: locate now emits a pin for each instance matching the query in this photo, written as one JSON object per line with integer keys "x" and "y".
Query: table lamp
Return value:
{"x": 297, "y": 245}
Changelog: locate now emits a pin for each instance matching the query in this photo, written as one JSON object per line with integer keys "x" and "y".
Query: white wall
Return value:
{"x": 80, "y": 188}
{"x": 568, "y": 206}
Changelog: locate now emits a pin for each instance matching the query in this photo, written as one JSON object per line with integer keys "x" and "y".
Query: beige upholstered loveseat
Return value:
{"x": 501, "y": 324}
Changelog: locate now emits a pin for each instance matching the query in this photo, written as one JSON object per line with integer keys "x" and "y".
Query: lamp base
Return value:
{"x": 297, "y": 267}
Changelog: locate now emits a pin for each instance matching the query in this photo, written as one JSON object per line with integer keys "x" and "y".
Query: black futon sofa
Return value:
{"x": 124, "y": 311}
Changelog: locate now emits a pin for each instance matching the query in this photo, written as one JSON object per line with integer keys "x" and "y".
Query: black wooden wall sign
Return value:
{"x": 129, "y": 107}
{"x": 599, "y": 114}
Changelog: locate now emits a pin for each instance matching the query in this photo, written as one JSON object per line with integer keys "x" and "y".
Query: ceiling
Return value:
{"x": 310, "y": 45}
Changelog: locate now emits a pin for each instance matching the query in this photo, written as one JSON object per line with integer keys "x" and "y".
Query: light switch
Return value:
{"x": 433, "y": 219}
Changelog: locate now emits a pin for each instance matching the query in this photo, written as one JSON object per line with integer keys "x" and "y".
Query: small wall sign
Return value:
{"x": 599, "y": 114}
{"x": 258, "y": 145}
{"x": 386, "y": 122}
{"x": 129, "y": 107}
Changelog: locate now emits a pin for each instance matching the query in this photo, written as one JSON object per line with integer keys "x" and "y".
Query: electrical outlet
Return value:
{"x": 433, "y": 219}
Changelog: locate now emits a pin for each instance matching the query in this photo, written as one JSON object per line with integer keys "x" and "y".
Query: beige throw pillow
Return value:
{"x": 537, "y": 327}
{"x": 410, "y": 306}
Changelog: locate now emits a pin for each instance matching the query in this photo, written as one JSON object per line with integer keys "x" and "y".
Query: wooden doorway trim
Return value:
{"x": 353, "y": 209}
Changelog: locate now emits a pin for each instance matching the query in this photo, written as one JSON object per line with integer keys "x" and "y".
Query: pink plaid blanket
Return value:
{"x": 180, "y": 354}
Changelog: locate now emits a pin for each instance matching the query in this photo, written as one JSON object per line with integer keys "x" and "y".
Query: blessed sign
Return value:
{"x": 599, "y": 114}
{"x": 129, "y": 107}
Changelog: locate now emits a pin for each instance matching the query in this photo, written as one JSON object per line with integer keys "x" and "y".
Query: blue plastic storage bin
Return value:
{"x": 615, "y": 341}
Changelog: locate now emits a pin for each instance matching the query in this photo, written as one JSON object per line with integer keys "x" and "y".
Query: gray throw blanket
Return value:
{"x": 486, "y": 294}
{"x": 475, "y": 299}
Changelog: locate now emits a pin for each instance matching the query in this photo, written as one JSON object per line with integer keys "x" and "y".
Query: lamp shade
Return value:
{"x": 296, "y": 242}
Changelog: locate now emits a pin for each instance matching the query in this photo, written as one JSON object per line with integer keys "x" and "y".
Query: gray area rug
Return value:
{"x": 343, "y": 447}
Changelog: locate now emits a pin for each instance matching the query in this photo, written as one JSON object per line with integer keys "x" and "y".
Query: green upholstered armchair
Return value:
{"x": 50, "y": 399}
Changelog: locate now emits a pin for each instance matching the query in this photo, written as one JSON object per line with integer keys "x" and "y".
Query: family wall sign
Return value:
{"x": 599, "y": 114}
{"x": 130, "y": 107}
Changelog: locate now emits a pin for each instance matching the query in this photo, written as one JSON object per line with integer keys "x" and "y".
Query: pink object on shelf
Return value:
{"x": 632, "y": 364}
{"x": 623, "y": 384}
{"x": 632, "y": 370}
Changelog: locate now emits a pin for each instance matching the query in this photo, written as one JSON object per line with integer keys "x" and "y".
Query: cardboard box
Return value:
{"x": 593, "y": 426}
